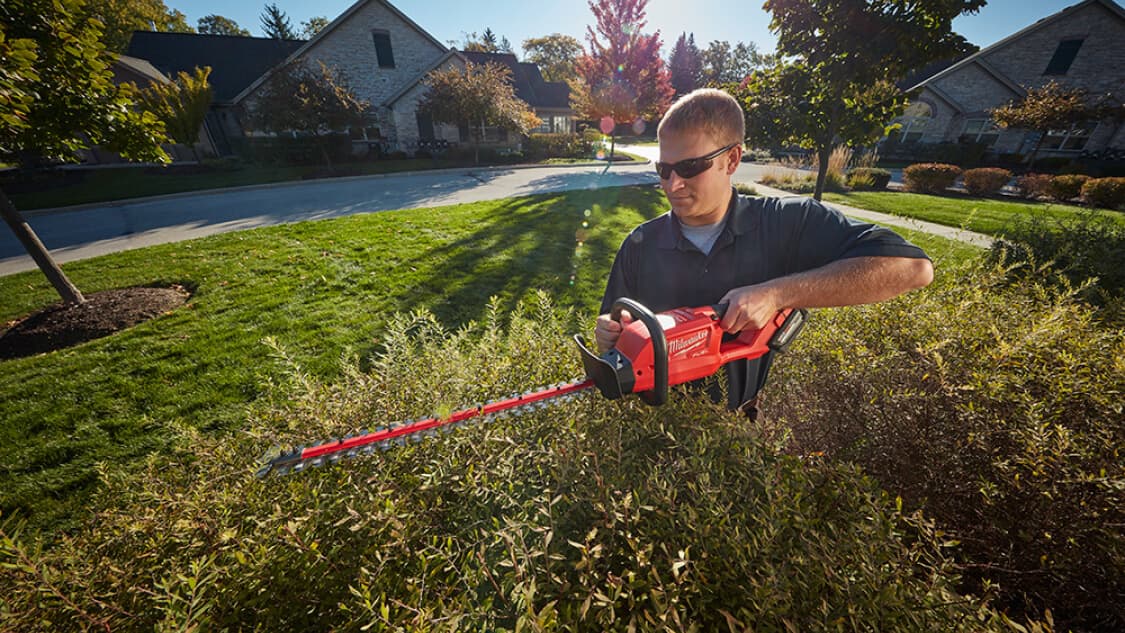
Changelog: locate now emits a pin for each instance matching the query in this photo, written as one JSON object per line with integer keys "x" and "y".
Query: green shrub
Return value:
{"x": 745, "y": 189}
{"x": 541, "y": 146}
{"x": 287, "y": 150}
{"x": 985, "y": 181}
{"x": 594, "y": 515}
{"x": 868, "y": 179}
{"x": 1107, "y": 193}
{"x": 1066, "y": 187}
{"x": 995, "y": 404}
{"x": 1034, "y": 185}
{"x": 932, "y": 178}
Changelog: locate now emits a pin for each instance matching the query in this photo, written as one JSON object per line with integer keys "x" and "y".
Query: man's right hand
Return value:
{"x": 607, "y": 331}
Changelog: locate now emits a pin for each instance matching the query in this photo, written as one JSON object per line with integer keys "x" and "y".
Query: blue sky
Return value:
{"x": 732, "y": 20}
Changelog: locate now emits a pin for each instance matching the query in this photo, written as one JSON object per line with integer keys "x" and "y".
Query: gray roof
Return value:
{"x": 528, "y": 81}
{"x": 236, "y": 62}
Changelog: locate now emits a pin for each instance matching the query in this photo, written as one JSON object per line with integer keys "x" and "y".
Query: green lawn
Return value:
{"x": 983, "y": 215}
{"x": 319, "y": 288}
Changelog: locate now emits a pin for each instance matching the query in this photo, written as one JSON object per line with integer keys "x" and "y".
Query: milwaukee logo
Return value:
{"x": 687, "y": 344}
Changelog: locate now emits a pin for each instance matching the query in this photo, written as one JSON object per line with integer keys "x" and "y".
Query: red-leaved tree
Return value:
{"x": 621, "y": 78}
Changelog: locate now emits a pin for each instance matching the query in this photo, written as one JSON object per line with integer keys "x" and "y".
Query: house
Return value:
{"x": 1081, "y": 46}
{"x": 385, "y": 56}
{"x": 235, "y": 63}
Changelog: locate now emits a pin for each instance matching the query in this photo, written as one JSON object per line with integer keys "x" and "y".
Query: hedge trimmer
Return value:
{"x": 654, "y": 351}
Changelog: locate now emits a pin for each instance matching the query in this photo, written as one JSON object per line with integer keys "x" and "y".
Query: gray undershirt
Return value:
{"x": 702, "y": 236}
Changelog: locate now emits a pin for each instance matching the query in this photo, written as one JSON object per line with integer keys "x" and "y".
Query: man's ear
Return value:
{"x": 735, "y": 155}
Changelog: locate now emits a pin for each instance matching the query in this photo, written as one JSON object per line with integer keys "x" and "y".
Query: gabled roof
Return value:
{"x": 340, "y": 19}
{"x": 978, "y": 56}
{"x": 235, "y": 61}
{"x": 138, "y": 71}
{"x": 526, "y": 79}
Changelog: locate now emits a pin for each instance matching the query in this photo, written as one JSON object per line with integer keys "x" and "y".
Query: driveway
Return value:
{"x": 92, "y": 230}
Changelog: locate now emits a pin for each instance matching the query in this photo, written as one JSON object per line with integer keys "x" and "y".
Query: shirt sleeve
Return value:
{"x": 623, "y": 275}
{"x": 825, "y": 235}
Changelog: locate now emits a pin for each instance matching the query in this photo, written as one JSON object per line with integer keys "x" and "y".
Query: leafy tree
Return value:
{"x": 481, "y": 95}
{"x": 624, "y": 78}
{"x": 121, "y": 17}
{"x": 1051, "y": 107}
{"x": 275, "y": 24}
{"x": 555, "y": 55}
{"x": 52, "y": 53}
{"x": 180, "y": 104}
{"x": 685, "y": 64}
{"x": 724, "y": 64}
{"x": 219, "y": 25}
{"x": 297, "y": 99}
{"x": 844, "y": 56}
{"x": 486, "y": 43}
{"x": 312, "y": 26}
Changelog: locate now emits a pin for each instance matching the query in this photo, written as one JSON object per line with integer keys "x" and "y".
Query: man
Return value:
{"x": 760, "y": 255}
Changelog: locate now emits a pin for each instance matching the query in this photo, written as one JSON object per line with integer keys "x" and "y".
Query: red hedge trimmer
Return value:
{"x": 653, "y": 352}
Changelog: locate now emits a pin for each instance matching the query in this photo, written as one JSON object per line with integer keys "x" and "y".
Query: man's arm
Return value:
{"x": 844, "y": 282}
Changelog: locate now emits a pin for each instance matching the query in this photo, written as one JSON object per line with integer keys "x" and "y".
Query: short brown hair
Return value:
{"x": 706, "y": 110}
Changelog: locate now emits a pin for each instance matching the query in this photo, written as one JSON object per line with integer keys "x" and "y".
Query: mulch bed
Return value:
{"x": 63, "y": 325}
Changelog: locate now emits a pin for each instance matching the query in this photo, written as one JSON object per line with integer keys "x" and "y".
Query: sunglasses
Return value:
{"x": 691, "y": 167}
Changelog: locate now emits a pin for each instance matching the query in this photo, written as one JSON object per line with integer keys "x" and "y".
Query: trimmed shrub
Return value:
{"x": 592, "y": 515}
{"x": 1066, "y": 186}
{"x": 1034, "y": 185}
{"x": 540, "y": 146}
{"x": 868, "y": 179}
{"x": 932, "y": 178}
{"x": 993, "y": 402}
{"x": 985, "y": 181}
{"x": 1107, "y": 193}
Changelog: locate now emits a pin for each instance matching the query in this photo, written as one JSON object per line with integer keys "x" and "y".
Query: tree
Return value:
{"x": 275, "y": 24}
{"x": 53, "y": 53}
{"x": 555, "y": 55}
{"x": 218, "y": 25}
{"x": 312, "y": 26}
{"x": 481, "y": 95}
{"x": 848, "y": 52}
{"x": 181, "y": 104}
{"x": 486, "y": 43}
{"x": 723, "y": 64}
{"x": 121, "y": 17}
{"x": 1051, "y": 107}
{"x": 296, "y": 99}
{"x": 623, "y": 79}
{"x": 685, "y": 64}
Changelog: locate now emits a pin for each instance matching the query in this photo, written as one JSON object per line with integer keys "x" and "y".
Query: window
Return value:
{"x": 915, "y": 122}
{"x": 982, "y": 131}
{"x": 1063, "y": 57}
{"x": 1073, "y": 139}
{"x": 383, "y": 49}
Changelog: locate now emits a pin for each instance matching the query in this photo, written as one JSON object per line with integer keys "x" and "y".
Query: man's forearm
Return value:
{"x": 852, "y": 281}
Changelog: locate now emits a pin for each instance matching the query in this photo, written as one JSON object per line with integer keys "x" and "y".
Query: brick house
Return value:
{"x": 1081, "y": 46}
{"x": 385, "y": 56}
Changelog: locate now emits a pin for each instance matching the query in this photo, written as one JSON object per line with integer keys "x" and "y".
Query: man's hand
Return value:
{"x": 751, "y": 307}
{"x": 607, "y": 331}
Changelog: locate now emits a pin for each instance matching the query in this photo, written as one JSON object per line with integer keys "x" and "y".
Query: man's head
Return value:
{"x": 698, "y": 125}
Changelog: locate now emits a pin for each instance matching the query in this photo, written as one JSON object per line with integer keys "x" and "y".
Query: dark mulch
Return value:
{"x": 62, "y": 325}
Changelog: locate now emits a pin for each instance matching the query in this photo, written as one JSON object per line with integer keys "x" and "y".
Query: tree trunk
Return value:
{"x": 612, "y": 146}
{"x": 68, "y": 291}
{"x": 822, "y": 155}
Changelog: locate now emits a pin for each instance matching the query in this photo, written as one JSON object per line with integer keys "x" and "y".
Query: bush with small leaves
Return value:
{"x": 1066, "y": 186}
{"x": 593, "y": 515}
{"x": 1106, "y": 193}
{"x": 1034, "y": 185}
{"x": 985, "y": 181}
{"x": 868, "y": 179}
{"x": 932, "y": 178}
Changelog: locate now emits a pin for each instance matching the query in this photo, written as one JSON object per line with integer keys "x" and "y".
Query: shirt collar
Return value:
{"x": 672, "y": 237}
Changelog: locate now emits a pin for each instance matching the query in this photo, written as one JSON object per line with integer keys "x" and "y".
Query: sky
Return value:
{"x": 517, "y": 20}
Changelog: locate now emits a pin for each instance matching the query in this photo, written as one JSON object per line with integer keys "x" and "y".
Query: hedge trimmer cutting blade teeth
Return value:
{"x": 399, "y": 434}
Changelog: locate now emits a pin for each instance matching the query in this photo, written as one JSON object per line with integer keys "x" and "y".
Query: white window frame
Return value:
{"x": 988, "y": 127}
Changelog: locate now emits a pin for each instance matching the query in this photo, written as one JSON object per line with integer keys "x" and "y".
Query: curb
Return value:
{"x": 295, "y": 183}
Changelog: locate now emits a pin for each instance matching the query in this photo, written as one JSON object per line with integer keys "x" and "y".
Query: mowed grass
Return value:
{"x": 983, "y": 215}
{"x": 320, "y": 289}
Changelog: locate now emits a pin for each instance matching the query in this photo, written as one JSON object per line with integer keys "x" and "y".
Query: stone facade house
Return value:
{"x": 385, "y": 56}
{"x": 1081, "y": 46}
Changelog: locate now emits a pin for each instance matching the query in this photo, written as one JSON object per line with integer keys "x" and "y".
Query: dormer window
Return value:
{"x": 383, "y": 50}
{"x": 1064, "y": 57}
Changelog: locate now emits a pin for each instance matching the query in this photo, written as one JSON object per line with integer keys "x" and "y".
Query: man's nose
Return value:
{"x": 675, "y": 182}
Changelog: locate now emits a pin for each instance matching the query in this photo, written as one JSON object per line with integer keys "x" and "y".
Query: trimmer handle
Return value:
{"x": 659, "y": 393}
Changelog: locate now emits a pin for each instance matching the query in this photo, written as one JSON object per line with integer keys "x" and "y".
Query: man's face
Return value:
{"x": 701, "y": 199}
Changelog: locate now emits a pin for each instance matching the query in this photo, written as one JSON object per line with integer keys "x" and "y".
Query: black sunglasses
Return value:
{"x": 691, "y": 167}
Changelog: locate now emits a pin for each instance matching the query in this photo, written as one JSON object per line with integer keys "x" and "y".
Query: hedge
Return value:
{"x": 930, "y": 177}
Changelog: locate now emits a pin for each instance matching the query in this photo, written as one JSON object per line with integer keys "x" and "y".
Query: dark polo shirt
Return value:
{"x": 762, "y": 239}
